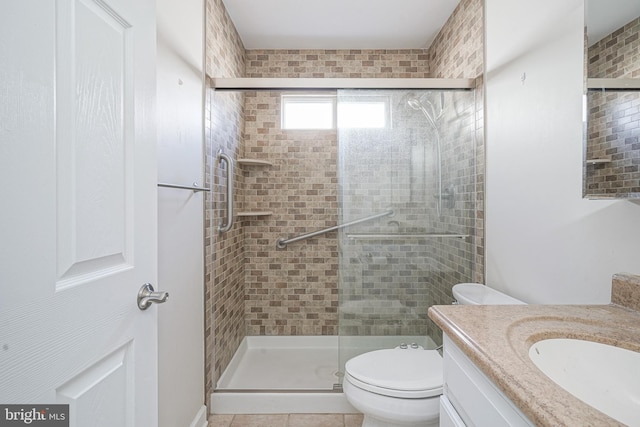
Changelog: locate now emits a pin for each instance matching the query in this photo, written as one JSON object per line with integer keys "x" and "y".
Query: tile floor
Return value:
{"x": 286, "y": 420}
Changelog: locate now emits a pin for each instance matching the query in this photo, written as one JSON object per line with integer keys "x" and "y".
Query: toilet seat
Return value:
{"x": 403, "y": 373}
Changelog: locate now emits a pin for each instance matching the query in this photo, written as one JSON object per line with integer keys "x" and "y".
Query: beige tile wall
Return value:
{"x": 617, "y": 54}
{"x": 403, "y": 63}
{"x": 224, "y": 254}
{"x": 457, "y": 52}
{"x": 295, "y": 291}
{"x": 614, "y": 117}
{"x": 291, "y": 291}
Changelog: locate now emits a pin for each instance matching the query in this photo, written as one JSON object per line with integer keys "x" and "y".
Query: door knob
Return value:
{"x": 146, "y": 296}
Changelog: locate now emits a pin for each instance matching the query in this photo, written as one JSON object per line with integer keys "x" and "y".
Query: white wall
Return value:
{"x": 544, "y": 243}
{"x": 180, "y": 221}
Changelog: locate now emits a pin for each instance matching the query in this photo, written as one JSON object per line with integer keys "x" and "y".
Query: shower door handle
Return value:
{"x": 223, "y": 228}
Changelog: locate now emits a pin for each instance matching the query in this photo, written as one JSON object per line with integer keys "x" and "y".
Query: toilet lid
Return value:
{"x": 398, "y": 372}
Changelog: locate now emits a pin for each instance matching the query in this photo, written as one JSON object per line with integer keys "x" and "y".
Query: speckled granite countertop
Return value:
{"x": 497, "y": 340}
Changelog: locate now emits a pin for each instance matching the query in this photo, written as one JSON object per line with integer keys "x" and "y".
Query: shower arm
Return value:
{"x": 282, "y": 243}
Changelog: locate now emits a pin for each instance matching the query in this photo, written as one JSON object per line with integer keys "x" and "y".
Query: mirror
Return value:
{"x": 612, "y": 112}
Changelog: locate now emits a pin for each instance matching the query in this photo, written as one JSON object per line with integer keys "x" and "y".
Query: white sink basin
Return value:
{"x": 603, "y": 376}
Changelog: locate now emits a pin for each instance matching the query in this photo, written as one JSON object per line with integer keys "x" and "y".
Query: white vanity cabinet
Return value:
{"x": 470, "y": 398}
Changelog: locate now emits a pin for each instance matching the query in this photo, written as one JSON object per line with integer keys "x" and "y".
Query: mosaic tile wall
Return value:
{"x": 618, "y": 54}
{"x": 457, "y": 51}
{"x": 480, "y": 175}
{"x": 404, "y": 63}
{"x": 224, "y": 254}
{"x": 614, "y": 122}
{"x": 291, "y": 291}
{"x": 266, "y": 312}
{"x": 295, "y": 291}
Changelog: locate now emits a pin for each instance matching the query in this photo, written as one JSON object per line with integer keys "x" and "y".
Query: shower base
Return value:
{"x": 293, "y": 374}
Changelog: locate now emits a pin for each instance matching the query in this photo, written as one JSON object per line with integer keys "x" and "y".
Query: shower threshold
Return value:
{"x": 292, "y": 374}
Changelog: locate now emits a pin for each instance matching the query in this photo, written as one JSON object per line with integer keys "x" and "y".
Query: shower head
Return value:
{"x": 422, "y": 102}
{"x": 417, "y": 105}
{"x": 414, "y": 103}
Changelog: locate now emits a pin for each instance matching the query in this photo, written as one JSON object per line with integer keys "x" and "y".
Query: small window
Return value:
{"x": 365, "y": 113}
{"x": 308, "y": 111}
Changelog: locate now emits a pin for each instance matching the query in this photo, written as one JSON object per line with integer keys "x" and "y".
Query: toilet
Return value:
{"x": 402, "y": 386}
{"x": 477, "y": 294}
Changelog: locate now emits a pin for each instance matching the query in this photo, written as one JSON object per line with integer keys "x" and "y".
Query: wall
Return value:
{"x": 291, "y": 291}
{"x": 544, "y": 243}
{"x": 616, "y": 55}
{"x": 294, "y": 291}
{"x": 224, "y": 253}
{"x": 458, "y": 52}
{"x": 180, "y": 40}
{"x": 398, "y": 63}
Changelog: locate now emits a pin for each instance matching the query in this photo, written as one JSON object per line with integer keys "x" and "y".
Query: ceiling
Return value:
{"x": 339, "y": 24}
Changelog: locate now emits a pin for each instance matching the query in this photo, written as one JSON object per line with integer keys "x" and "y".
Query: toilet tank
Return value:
{"x": 479, "y": 294}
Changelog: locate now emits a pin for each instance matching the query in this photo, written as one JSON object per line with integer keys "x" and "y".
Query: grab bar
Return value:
{"x": 398, "y": 236}
{"x": 184, "y": 187}
{"x": 223, "y": 228}
{"x": 282, "y": 243}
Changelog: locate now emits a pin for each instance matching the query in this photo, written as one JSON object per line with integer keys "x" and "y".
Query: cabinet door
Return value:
{"x": 477, "y": 400}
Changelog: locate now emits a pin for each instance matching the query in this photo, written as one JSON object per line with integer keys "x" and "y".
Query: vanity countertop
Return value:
{"x": 497, "y": 339}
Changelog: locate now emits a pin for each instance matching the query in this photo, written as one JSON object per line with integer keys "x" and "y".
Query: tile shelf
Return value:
{"x": 254, "y": 162}
{"x": 597, "y": 161}
{"x": 254, "y": 213}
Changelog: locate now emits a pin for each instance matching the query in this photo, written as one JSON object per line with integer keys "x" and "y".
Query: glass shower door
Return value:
{"x": 412, "y": 156}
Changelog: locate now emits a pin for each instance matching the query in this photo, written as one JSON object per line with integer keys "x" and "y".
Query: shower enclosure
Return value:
{"x": 399, "y": 170}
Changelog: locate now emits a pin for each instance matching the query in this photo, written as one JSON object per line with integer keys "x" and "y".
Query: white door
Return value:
{"x": 78, "y": 208}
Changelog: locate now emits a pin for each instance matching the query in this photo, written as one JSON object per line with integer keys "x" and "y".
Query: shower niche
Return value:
{"x": 247, "y": 165}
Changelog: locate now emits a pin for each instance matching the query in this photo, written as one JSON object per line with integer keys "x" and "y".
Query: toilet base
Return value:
{"x": 385, "y": 411}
